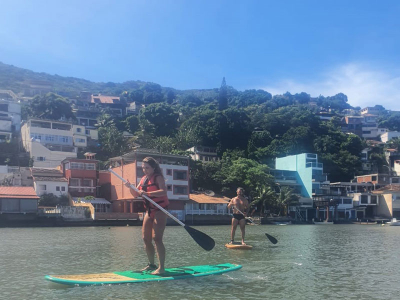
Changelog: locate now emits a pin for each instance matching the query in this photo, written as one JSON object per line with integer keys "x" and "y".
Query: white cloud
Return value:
{"x": 363, "y": 85}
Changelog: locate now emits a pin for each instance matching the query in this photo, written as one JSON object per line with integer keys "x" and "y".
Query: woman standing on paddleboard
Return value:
{"x": 152, "y": 185}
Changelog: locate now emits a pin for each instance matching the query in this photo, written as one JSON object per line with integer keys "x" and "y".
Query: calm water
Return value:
{"x": 309, "y": 262}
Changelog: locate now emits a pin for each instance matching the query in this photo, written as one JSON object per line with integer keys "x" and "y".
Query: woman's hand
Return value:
{"x": 141, "y": 193}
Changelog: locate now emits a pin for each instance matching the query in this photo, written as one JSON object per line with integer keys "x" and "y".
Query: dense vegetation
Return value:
{"x": 249, "y": 128}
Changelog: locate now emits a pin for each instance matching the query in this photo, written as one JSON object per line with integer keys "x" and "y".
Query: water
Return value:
{"x": 309, "y": 262}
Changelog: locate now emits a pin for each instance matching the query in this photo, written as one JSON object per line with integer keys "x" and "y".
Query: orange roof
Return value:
{"x": 201, "y": 198}
{"x": 18, "y": 192}
{"x": 104, "y": 99}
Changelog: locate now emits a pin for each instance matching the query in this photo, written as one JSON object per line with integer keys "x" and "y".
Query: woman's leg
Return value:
{"x": 147, "y": 228}
{"x": 160, "y": 220}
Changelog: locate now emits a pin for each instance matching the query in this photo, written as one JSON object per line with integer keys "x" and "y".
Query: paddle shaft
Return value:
{"x": 149, "y": 199}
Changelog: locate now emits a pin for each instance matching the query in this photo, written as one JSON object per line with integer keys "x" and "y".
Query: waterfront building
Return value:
{"x": 175, "y": 169}
{"x": 207, "y": 209}
{"x": 49, "y": 181}
{"x": 203, "y": 153}
{"x": 389, "y": 201}
{"x": 48, "y": 142}
{"x": 305, "y": 174}
{"x": 81, "y": 175}
{"x": 17, "y": 201}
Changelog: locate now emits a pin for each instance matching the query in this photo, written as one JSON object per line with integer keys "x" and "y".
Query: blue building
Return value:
{"x": 304, "y": 174}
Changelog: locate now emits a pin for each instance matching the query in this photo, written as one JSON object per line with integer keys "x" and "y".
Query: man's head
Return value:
{"x": 240, "y": 191}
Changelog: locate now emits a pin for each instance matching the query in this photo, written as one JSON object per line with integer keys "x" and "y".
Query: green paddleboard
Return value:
{"x": 142, "y": 276}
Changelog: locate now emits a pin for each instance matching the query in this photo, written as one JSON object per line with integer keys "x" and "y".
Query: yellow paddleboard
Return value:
{"x": 238, "y": 246}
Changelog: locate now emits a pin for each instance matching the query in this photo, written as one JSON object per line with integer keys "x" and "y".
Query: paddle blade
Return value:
{"x": 204, "y": 241}
{"x": 271, "y": 238}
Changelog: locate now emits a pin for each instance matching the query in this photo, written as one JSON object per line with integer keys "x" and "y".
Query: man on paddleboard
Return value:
{"x": 240, "y": 206}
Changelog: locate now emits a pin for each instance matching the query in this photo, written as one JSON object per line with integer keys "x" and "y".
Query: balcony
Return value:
{"x": 314, "y": 165}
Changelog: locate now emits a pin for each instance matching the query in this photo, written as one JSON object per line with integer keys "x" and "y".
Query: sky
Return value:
{"x": 318, "y": 47}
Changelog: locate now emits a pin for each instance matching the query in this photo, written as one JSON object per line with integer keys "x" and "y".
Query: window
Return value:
{"x": 57, "y": 188}
{"x": 364, "y": 199}
{"x": 79, "y": 140}
{"x": 78, "y": 129}
{"x": 180, "y": 190}
{"x": 87, "y": 131}
{"x": 74, "y": 182}
{"x": 373, "y": 178}
{"x": 63, "y": 139}
{"x": 41, "y": 158}
{"x": 49, "y": 138}
{"x": 77, "y": 166}
{"x": 374, "y": 199}
{"x": 42, "y": 187}
{"x": 347, "y": 201}
{"x": 169, "y": 187}
{"x": 63, "y": 189}
{"x": 180, "y": 175}
{"x": 90, "y": 166}
{"x": 87, "y": 182}
{"x": 169, "y": 172}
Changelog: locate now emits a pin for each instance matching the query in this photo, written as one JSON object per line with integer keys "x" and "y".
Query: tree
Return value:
{"x": 264, "y": 197}
{"x": 223, "y": 96}
{"x": 132, "y": 124}
{"x": 111, "y": 141}
{"x": 50, "y": 106}
{"x": 161, "y": 116}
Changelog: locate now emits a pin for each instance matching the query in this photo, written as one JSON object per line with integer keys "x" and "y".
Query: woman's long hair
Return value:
{"x": 154, "y": 164}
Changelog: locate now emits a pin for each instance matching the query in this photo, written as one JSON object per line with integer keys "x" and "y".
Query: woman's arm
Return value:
{"x": 133, "y": 192}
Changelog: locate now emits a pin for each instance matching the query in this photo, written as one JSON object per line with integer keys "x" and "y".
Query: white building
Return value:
{"x": 203, "y": 153}
{"x": 11, "y": 109}
{"x": 48, "y": 142}
{"x": 5, "y": 129}
{"x": 387, "y": 136}
{"x": 16, "y": 176}
{"x": 50, "y": 185}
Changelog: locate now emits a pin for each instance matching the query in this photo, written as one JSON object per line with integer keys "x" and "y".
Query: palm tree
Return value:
{"x": 264, "y": 196}
{"x": 285, "y": 199}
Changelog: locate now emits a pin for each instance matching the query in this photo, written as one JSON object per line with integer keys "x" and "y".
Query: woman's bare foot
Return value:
{"x": 243, "y": 243}
{"x": 159, "y": 271}
{"x": 149, "y": 267}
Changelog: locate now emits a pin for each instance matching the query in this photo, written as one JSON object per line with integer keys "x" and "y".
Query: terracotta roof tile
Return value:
{"x": 17, "y": 192}
{"x": 389, "y": 188}
{"x": 201, "y": 198}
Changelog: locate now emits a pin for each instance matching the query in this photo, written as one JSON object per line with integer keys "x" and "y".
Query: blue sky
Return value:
{"x": 319, "y": 47}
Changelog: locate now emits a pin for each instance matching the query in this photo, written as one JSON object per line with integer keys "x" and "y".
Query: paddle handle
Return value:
{"x": 149, "y": 199}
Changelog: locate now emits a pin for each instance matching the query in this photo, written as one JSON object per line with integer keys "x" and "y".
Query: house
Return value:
{"x": 389, "y": 201}
{"x": 204, "y": 153}
{"x": 12, "y": 110}
{"x": 81, "y": 175}
{"x": 387, "y": 136}
{"x": 5, "y": 129}
{"x": 175, "y": 169}
{"x": 111, "y": 103}
{"x": 16, "y": 176}
{"x": 18, "y": 200}
{"x": 48, "y": 142}
{"x": 49, "y": 181}
{"x": 205, "y": 209}
{"x": 305, "y": 175}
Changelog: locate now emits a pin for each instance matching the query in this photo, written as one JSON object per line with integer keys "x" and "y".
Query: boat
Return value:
{"x": 394, "y": 222}
{"x": 322, "y": 222}
{"x": 283, "y": 223}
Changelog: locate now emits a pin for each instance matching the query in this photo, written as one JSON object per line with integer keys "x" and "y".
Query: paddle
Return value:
{"x": 270, "y": 237}
{"x": 204, "y": 241}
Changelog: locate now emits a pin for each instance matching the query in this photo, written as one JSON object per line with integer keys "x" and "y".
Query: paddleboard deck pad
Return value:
{"x": 142, "y": 276}
{"x": 237, "y": 245}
